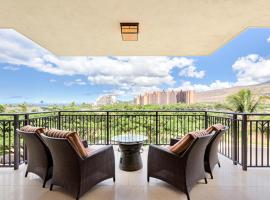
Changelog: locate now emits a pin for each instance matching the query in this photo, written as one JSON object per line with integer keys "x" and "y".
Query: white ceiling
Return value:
{"x": 167, "y": 28}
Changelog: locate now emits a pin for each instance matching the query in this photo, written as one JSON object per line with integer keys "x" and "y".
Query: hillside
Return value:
{"x": 221, "y": 94}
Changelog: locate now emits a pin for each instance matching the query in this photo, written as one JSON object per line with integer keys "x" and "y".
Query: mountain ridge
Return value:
{"x": 220, "y": 95}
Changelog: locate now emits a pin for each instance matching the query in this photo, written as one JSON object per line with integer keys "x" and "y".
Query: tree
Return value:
{"x": 244, "y": 101}
{"x": 2, "y": 108}
{"x": 23, "y": 107}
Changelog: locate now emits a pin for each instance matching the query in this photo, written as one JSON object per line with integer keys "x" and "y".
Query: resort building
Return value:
{"x": 165, "y": 97}
{"x": 106, "y": 100}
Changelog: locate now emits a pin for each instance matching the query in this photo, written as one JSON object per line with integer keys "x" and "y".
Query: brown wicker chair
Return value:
{"x": 182, "y": 171}
{"x": 211, "y": 152}
{"x": 39, "y": 157}
{"x": 75, "y": 174}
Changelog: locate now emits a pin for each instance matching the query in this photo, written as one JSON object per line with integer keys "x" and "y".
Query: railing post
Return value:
{"x": 26, "y": 122}
{"x": 234, "y": 139}
{"x": 205, "y": 120}
{"x": 16, "y": 142}
{"x": 26, "y": 119}
{"x": 108, "y": 128}
{"x": 244, "y": 142}
{"x": 59, "y": 120}
{"x": 156, "y": 127}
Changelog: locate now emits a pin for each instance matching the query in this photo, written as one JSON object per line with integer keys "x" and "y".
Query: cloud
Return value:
{"x": 75, "y": 82}
{"x": 217, "y": 84}
{"x": 125, "y": 75}
{"x": 252, "y": 69}
{"x": 10, "y": 68}
{"x": 191, "y": 71}
{"x": 137, "y": 72}
{"x": 17, "y": 97}
{"x": 52, "y": 81}
{"x": 268, "y": 39}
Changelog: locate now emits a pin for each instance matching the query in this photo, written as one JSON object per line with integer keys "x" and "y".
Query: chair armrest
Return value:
{"x": 98, "y": 166}
{"x": 159, "y": 152}
{"x": 174, "y": 141}
{"x": 163, "y": 163}
{"x": 85, "y": 144}
{"x": 100, "y": 157}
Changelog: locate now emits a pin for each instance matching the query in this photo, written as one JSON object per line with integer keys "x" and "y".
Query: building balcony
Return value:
{"x": 245, "y": 146}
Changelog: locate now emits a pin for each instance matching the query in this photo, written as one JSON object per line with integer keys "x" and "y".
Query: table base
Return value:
{"x": 130, "y": 159}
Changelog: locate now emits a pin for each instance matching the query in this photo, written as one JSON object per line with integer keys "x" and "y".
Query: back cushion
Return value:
{"x": 200, "y": 133}
{"x": 186, "y": 141}
{"x": 32, "y": 129}
{"x": 73, "y": 139}
{"x": 58, "y": 133}
{"x": 215, "y": 127}
{"x": 182, "y": 144}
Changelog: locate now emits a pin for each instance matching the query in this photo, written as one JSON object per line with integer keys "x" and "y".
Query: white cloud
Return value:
{"x": 10, "y": 68}
{"x": 131, "y": 75}
{"x": 252, "y": 69}
{"x": 75, "y": 82}
{"x": 127, "y": 73}
{"x": 268, "y": 39}
{"x": 217, "y": 84}
{"x": 52, "y": 81}
{"x": 191, "y": 71}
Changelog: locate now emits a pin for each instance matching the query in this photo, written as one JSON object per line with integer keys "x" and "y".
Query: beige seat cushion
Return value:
{"x": 73, "y": 139}
{"x": 32, "y": 129}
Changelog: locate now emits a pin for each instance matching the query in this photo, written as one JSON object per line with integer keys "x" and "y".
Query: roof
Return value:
{"x": 167, "y": 28}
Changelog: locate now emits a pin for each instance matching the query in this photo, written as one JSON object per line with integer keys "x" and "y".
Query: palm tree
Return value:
{"x": 244, "y": 101}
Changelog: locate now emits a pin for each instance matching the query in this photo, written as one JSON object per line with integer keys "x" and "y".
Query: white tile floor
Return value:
{"x": 229, "y": 183}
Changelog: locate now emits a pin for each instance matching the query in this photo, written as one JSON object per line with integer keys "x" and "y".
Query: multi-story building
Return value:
{"x": 106, "y": 100}
{"x": 165, "y": 97}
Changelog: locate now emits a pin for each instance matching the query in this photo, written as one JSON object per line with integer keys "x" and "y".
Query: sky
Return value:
{"x": 30, "y": 73}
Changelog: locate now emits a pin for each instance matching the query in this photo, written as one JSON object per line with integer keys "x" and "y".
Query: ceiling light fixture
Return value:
{"x": 129, "y": 31}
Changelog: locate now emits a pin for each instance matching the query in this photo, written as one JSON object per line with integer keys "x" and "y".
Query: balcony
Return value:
{"x": 230, "y": 182}
{"x": 244, "y": 146}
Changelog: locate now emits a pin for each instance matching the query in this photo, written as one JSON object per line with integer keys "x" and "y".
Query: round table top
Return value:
{"x": 129, "y": 138}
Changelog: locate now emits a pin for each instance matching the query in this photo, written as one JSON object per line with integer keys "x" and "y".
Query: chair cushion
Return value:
{"x": 215, "y": 127}
{"x": 200, "y": 133}
{"x": 186, "y": 141}
{"x": 32, "y": 129}
{"x": 182, "y": 144}
{"x": 73, "y": 139}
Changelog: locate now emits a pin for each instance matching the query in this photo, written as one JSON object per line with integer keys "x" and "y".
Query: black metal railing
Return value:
{"x": 245, "y": 143}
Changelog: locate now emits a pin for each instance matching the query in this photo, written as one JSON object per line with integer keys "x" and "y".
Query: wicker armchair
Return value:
{"x": 182, "y": 171}
{"x": 39, "y": 157}
{"x": 211, "y": 152}
{"x": 76, "y": 174}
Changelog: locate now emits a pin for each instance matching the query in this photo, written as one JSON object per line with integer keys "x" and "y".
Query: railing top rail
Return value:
{"x": 6, "y": 114}
{"x": 142, "y": 111}
{"x": 62, "y": 111}
{"x": 258, "y": 114}
{"x": 30, "y": 113}
{"x": 222, "y": 112}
